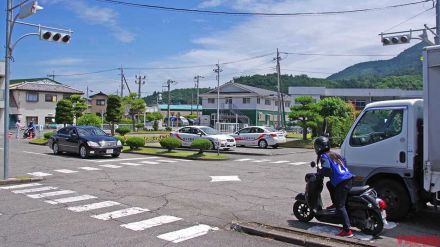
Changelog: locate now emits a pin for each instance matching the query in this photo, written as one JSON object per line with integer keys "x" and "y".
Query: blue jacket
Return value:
{"x": 339, "y": 173}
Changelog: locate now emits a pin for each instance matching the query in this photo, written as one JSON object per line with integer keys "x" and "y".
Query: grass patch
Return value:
{"x": 298, "y": 135}
{"x": 150, "y": 132}
{"x": 179, "y": 154}
{"x": 23, "y": 177}
{"x": 39, "y": 141}
{"x": 298, "y": 144}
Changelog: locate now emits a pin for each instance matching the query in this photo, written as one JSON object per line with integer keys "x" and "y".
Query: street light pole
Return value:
{"x": 6, "y": 92}
{"x": 218, "y": 70}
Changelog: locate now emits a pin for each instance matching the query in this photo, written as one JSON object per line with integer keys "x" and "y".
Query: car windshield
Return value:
{"x": 270, "y": 129}
{"x": 209, "y": 131}
{"x": 91, "y": 132}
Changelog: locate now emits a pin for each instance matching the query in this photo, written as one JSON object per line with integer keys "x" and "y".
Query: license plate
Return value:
{"x": 109, "y": 151}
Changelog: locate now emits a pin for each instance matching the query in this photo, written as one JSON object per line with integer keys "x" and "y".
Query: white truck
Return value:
{"x": 394, "y": 146}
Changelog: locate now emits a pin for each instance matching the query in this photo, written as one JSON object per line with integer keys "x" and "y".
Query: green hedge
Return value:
{"x": 152, "y": 139}
{"x": 135, "y": 142}
{"x": 170, "y": 143}
{"x": 48, "y": 135}
{"x": 201, "y": 145}
{"x": 123, "y": 130}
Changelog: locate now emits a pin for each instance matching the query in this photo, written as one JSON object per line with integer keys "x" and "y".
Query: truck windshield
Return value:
{"x": 377, "y": 125}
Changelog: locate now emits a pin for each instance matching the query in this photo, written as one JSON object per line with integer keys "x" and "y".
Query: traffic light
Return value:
{"x": 396, "y": 40}
{"x": 49, "y": 35}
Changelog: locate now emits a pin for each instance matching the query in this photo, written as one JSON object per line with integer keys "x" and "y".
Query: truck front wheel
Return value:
{"x": 396, "y": 197}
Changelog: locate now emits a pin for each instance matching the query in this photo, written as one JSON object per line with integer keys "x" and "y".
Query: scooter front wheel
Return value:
{"x": 374, "y": 224}
{"x": 302, "y": 211}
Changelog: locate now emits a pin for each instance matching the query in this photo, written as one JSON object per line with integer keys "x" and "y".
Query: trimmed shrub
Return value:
{"x": 122, "y": 131}
{"x": 122, "y": 139}
{"x": 140, "y": 125}
{"x": 170, "y": 143}
{"x": 48, "y": 135}
{"x": 168, "y": 129}
{"x": 201, "y": 145}
{"x": 90, "y": 119}
{"x": 155, "y": 125}
{"x": 152, "y": 139}
{"x": 135, "y": 142}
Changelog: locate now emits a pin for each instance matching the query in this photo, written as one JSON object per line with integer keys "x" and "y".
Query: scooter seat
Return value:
{"x": 357, "y": 190}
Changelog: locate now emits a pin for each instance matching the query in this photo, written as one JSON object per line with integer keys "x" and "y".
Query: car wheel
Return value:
{"x": 83, "y": 152}
{"x": 116, "y": 155}
{"x": 56, "y": 148}
{"x": 262, "y": 144}
{"x": 213, "y": 146}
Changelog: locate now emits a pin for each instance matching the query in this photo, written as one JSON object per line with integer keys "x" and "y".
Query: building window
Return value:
{"x": 66, "y": 96}
{"x": 211, "y": 100}
{"x": 267, "y": 101}
{"x": 34, "y": 120}
{"x": 246, "y": 100}
{"x": 258, "y": 100}
{"x": 286, "y": 103}
{"x": 228, "y": 101}
{"x": 50, "y": 97}
{"x": 276, "y": 103}
{"x": 100, "y": 102}
{"x": 32, "y": 97}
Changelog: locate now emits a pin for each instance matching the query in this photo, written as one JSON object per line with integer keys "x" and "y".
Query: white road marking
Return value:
{"x": 18, "y": 186}
{"x": 71, "y": 199}
{"x": 33, "y": 153}
{"x": 187, "y": 233}
{"x": 40, "y": 174}
{"x": 88, "y": 168}
{"x": 111, "y": 160}
{"x": 280, "y": 162}
{"x": 298, "y": 163}
{"x": 243, "y": 159}
{"x": 120, "y": 213}
{"x": 34, "y": 190}
{"x": 224, "y": 178}
{"x": 183, "y": 160}
{"x": 111, "y": 166}
{"x": 65, "y": 171}
{"x": 55, "y": 193}
{"x": 93, "y": 206}
{"x": 150, "y": 162}
{"x": 131, "y": 164}
{"x": 145, "y": 224}
{"x": 259, "y": 161}
{"x": 167, "y": 161}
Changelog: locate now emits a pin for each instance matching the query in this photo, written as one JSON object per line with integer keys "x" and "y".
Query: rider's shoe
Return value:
{"x": 345, "y": 233}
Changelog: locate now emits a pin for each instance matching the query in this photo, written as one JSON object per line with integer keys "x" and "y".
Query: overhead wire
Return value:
{"x": 337, "y": 55}
{"x": 200, "y": 11}
{"x": 412, "y": 17}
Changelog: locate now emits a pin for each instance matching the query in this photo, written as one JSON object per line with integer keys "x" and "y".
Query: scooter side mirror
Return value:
{"x": 313, "y": 164}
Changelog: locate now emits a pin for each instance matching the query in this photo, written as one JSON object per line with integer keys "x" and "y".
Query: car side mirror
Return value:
{"x": 313, "y": 164}
{"x": 74, "y": 135}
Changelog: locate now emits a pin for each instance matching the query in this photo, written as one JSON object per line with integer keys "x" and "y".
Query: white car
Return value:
{"x": 259, "y": 136}
{"x": 190, "y": 133}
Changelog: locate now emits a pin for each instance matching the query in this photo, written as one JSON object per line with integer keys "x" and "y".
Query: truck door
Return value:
{"x": 379, "y": 139}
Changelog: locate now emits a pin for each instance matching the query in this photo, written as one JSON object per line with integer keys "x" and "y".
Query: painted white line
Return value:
{"x": 71, "y": 199}
{"x": 243, "y": 159}
{"x": 131, "y": 164}
{"x": 145, "y": 224}
{"x": 34, "y": 190}
{"x": 110, "y": 166}
{"x": 93, "y": 206}
{"x": 55, "y": 193}
{"x": 33, "y": 153}
{"x": 224, "y": 178}
{"x": 298, "y": 163}
{"x": 280, "y": 162}
{"x": 40, "y": 174}
{"x": 259, "y": 161}
{"x": 120, "y": 213}
{"x": 18, "y": 186}
{"x": 150, "y": 162}
{"x": 112, "y": 160}
{"x": 65, "y": 171}
{"x": 187, "y": 233}
{"x": 88, "y": 168}
{"x": 167, "y": 161}
{"x": 183, "y": 160}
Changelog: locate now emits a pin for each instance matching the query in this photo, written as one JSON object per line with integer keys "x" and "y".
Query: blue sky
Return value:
{"x": 107, "y": 36}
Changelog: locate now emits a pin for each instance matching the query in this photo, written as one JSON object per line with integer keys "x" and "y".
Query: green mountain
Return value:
{"x": 178, "y": 96}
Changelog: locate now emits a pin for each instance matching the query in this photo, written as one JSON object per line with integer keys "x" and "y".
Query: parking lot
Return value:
{"x": 137, "y": 200}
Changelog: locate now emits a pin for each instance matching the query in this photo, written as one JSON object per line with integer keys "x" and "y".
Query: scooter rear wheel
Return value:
{"x": 302, "y": 211}
{"x": 374, "y": 223}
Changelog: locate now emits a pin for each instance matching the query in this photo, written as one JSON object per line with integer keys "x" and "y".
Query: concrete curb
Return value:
{"x": 296, "y": 236}
{"x": 175, "y": 157}
{"x": 20, "y": 180}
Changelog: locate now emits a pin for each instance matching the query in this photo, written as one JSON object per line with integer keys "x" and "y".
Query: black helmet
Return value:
{"x": 321, "y": 145}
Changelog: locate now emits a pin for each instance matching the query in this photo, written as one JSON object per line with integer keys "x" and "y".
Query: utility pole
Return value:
{"x": 168, "y": 86}
{"x": 122, "y": 81}
{"x": 140, "y": 80}
{"x": 197, "y": 80}
{"x": 218, "y": 70}
{"x": 278, "y": 59}
{"x": 52, "y": 75}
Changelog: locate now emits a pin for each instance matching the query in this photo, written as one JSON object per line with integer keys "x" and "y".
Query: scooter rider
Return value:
{"x": 334, "y": 167}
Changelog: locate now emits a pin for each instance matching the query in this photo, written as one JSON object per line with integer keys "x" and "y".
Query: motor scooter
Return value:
{"x": 365, "y": 210}
{"x": 29, "y": 132}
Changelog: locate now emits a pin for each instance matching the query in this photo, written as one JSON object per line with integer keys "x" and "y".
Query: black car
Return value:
{"x": 85, "y": 141}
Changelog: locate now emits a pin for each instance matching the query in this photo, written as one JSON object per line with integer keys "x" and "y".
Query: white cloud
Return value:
{"x": 62, "y": 61}
{"x": 211, "y": 3}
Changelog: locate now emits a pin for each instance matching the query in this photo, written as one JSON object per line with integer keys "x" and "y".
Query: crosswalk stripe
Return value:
{"x": 40, "y": 174}
{"x": 298, "y": 163}
{"x": 34, "y": 190}
{"x": 93, "y": 206}
{"x": 66, "y": 171}
{"x": 71, "y": 199}
{"x": 110, "y": 166}
{"x": 120, "y": 213}
{"x": 131, "y": 164}
{"x": 280, "y": 162}
{"x": 167, "y": 161}
{"x": 149, "y": 162}
{"x": 113, "y": 160}
{"x": 244, "y": 159}
{"x": 54, "y": 193}
{"x": 88, "y": 168}
{"x": 19, "y": 186}
{"x": 259, "y": 161}
{"x": 157, "y": 221}
{"x": 183, "y": 160}
{"x": 224, "y": 178}
{"x": 187, "y": 233}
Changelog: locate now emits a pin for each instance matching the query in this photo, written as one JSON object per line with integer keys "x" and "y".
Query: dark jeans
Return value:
{"x": 340, "y": 197}
{"x": 331, "y": 190}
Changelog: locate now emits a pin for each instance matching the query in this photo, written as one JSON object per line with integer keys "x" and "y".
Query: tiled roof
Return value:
{"x": 42, "y": 85}
{"x": 250, "y": 89}
{"x": 98, "y": 94}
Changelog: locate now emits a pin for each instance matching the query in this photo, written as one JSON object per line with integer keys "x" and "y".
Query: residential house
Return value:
{"x": 35, "y": 100}
{"x": 98, "y": 103}
{"x": 245, "y": 104}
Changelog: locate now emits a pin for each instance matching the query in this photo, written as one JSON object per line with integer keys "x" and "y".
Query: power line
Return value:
{"x": 199, "y": 11}
{"x": 337, "y": 55}
{"x": 412, "y": 17}
{"x": 89, "y": 73}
